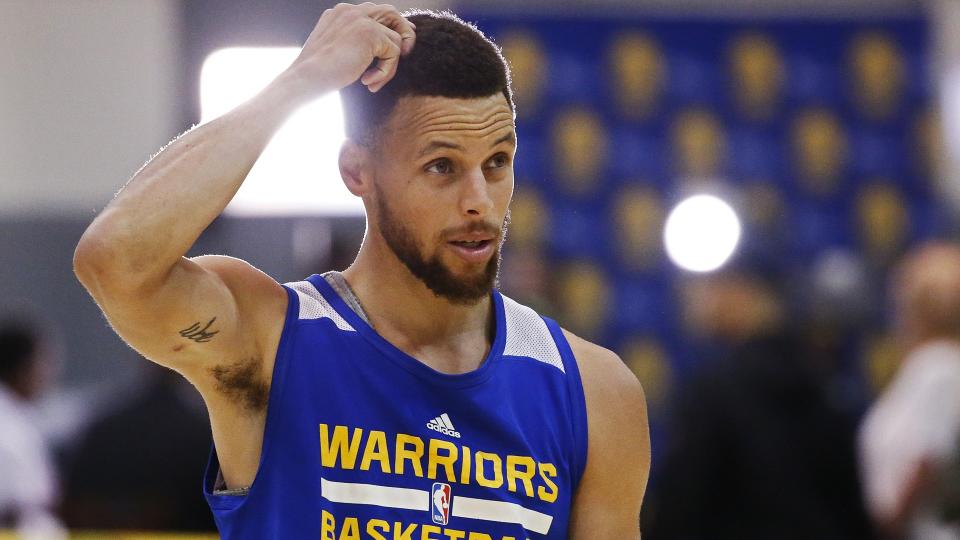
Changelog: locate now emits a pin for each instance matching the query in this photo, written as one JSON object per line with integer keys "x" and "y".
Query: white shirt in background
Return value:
{"x": 916, "y": 419}
{"x": 27, "y": 478}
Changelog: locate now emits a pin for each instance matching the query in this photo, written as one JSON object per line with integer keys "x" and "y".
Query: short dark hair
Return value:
{"x": 451, "y": 58}
{"x": 19, "y": 341}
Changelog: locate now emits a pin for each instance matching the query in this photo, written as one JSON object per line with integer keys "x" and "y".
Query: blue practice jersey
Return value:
{"x": 365, "y": 441}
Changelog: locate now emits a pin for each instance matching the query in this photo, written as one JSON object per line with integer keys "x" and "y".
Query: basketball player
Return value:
{"x": 405, "y": 397}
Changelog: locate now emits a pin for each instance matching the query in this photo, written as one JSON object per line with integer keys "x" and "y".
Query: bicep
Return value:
{"x": 608, "y": 499}
{"x": 189, "y": 320}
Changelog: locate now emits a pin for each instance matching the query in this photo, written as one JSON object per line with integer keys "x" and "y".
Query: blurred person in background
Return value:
{"x": 136, "y": 468}
{"x": 28, "y": 481}
{"x": 910, "y": 439}
{"x": 756, "y": 450}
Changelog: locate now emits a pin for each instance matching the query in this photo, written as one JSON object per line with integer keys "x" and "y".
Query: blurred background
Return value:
{"x": 720, "y": 192}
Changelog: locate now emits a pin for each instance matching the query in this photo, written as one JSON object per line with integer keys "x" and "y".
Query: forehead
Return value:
{"x": 416, "y": 118}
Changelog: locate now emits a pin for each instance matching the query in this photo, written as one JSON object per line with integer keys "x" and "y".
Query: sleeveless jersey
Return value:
{"x": 365, "y": 441}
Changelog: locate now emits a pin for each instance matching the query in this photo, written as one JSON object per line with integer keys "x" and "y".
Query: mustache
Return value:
{"x": 475, "y": 227}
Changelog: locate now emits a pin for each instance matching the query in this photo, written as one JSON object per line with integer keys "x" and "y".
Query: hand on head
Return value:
{"x": 353, "y": 42}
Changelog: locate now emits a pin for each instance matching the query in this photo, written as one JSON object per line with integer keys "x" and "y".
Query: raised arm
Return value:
{"x": 179, "y": 312}
{"x": 217, "y": 320}
{"x": 608, "y": 499}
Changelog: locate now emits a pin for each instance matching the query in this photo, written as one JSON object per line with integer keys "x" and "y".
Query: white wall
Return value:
{"x": 87, "y": 93}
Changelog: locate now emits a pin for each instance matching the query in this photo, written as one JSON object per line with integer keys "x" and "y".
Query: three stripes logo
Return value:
{"x": 443, "y": 425}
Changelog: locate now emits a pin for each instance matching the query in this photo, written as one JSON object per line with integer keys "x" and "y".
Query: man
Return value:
{"x": 910, "y": 439}
{"x": 342, "y": 405}
{"x": 28, "y": 483}
{"x": 149, "y": 483}
{"x": 757, "y": 449}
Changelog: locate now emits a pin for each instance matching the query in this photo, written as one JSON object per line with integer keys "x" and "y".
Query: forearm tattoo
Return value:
{"x": 200, "y": 335}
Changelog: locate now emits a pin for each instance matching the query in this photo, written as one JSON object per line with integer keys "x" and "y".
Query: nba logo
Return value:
{"x": 440, "y": 503}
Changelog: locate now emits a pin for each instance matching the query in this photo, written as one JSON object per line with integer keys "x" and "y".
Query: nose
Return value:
{"x": 475, "y": 199}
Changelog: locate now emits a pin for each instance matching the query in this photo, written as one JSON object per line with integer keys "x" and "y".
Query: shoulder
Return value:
{"x": 258, "y": 295}
{"x": 606, "y": 379}
{"x": 246, "y": 281}
{"x": 616, "y": 405}
{"x": 933, "y": 363}
{"x": 617, "y": 423}
{"x": 618, "y": 456}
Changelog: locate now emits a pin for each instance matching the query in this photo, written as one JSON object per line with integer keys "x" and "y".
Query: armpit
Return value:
{"x": 242, "y": 383}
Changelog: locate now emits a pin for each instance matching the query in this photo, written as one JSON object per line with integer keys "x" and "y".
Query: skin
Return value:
{"x": 444, "y": 189}
{"x": 442, "y": 167}
{"x": 733, "y": 308}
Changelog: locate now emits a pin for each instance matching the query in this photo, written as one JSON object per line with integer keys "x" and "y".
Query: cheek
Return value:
{"x": 502, "y": 193}
{"x": 419, "y": 213}
{"x": 400, "y": 193}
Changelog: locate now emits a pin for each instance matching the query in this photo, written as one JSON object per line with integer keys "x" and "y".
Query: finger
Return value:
{"x": 387, "y": 45}
{"x": 401, "y": 26}
{"x": 385, "y": 67}
{"x": 388, "y": 16}
{"x": 408, "y": 40}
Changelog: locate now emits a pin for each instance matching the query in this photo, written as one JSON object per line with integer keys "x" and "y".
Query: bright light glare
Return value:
{"x": 701, "y": 233}
{"x": 297, "y": 173}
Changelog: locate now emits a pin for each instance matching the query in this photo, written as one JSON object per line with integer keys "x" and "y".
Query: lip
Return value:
{"x": 473, "y": 255}
{"x": 473, "y": 237}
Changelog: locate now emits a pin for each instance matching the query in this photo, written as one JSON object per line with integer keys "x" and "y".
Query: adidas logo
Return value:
{"x": 443, "y": 424}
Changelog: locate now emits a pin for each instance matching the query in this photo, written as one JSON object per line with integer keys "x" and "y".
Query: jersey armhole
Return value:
{"x": 578, "y": 403}
{"x": 232, "y": 499}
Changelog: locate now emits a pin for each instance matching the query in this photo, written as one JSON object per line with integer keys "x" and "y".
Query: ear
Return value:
{"x": 355, "y": 168}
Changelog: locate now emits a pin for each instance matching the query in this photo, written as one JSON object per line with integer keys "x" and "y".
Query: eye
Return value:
{"x": 440, "y": 166}
{"x": 499, "y": 160}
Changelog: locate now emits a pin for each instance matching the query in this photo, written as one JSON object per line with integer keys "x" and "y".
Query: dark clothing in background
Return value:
{"x": 141, "y": 467}
{"x": 759, "y": 453}
{"x": 8, "y": 518}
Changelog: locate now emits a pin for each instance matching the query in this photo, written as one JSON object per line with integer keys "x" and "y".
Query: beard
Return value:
{"x": 437, "y": 276}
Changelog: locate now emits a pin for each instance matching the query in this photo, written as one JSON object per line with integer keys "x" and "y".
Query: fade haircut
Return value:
{"x": 451, "y": 58}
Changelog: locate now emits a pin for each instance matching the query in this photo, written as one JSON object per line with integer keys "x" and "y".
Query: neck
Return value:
{"x": 448, "y": 337}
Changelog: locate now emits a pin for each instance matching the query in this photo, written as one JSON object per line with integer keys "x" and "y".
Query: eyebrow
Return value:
{"x": 433, "y": 145}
